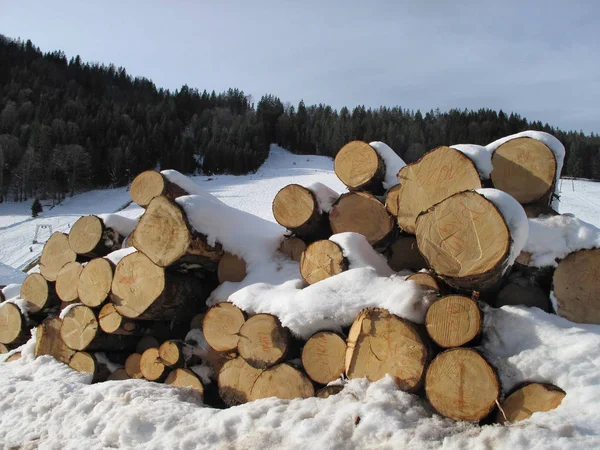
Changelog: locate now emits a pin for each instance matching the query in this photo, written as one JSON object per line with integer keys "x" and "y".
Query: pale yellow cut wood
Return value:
{"x": 150, "y": 184}
{"x": 85, "y": 234}
{"x": 37, "y": 292}
{"x": 14, "y": 357}
{"x": 49, "y": 342}
{"x": 465, "y": 239}
{"x": 453, "y": 320}
{"x": 79, "y": 327}
{"x": 524, "y": 168}
{"x": 577, "y": 287}
{"x": 357, "y": 164}
{"x": 171, "y": 354}
{"x": 132, "y": 366}
{"x": 360, "y": 212}
{"x": 293, "y": 248}
{"x": 236, "y": 379}
{"x": 425, "y": 281}
{"x": 405, "y": 255}
{"x": 321, "y": 260}
{"x": 112, "y": 322}
{"x": 95, "y": 282}
{"x": 55, "y": 254}
{"x": 392, "y": 200}
{"x": 294, "y": 206}
{"x": 151, "y": 366}
{"x": 185, "y": 378}
{"x": 221, "y": 326}
{"x": 529, "y": 399}
{"x": 118, "y": 375}
{"x": 461, "y": 385}
{"x": 323, "y": 357}
{"x": 12, "y": 323}
{"x": 83, "y": 362}
{"x": 3, "y": 349}
{"x": 328, "y": 391}
{"x": 231, "y": 268}
{"x": 67, "y": 281}
{"x": 263, "y": 341}
{"x": 282, "y": 381}
{"x": 381, "y": 343}
{"x": 436, "y": 176}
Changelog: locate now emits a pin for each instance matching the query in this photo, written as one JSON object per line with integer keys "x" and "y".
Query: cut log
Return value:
{"x": 297, "y": 209}
{"x": 263, "y": 341}
{"x": 171, "y": 354}
{"x": 323, "y": 357}
{"x": 49, "y": 342}
{"x": 529, "y": 399}
{"x": 67, "y": 281}
{"x": 185, "y": 378}
{"x": 461, "y": 385}
{"x": 145, "y": 291}
{"x": 321, "y": 260}
{"x": 436, "y": 176}
{"x": 328, "y": 391}
{"x": 236, "y": 379}
{"x": 453, "y": 321}
{"x": 231, "y": 268}
{"x": 360, "y": 212}
{"x": 145, "y": 343}
{"x": 466, "y": 240}
{"x": 522, "y": 294}
{"x": 133, "y": 367}
{"x": 39, "y": 294}
{"x": 13, "y": 325}
{"x": 292, "y": 248}
{"x": 360, "y": 167}
{"x": 282, "y": 381}
{"x": 576, "y": 284}
{"x": 165, "y": 235}
{"x": 55, "y": 254}
{"x": 14, "y": 357}
{"x": 392, "y": 200}
{"x": 112, "y": 322}
{"x": 526, "y": 169}
{"x": 380, "y": 343}
{"x": 87, "y": 363}
{"x": 405, "y": 255}
{"x": 95, "y": 282}
{"x": 152, "y": 367}
{"x": 90, "y": 237}
{"x": 221, "y": 326}
{"x": 425, "y": 281}
{"x": 197, "y": 320}
{"x": 150, "y": 184}
{"x": 118, "y": 375}
{"x": 3, "y": 348}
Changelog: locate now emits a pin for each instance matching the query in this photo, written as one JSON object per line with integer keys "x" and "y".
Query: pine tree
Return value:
{"x": 36, "y": 208}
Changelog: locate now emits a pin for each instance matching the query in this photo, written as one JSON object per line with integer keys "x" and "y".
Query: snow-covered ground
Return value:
{"x": 44, "y": 404}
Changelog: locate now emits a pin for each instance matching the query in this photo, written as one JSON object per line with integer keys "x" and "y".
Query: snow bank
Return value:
{"x": 121, "y": 224}
{"x": 326, "y": 196}
{"x": 393, "y": 163}
{"x": 11, "y": 290}
{"x": 480, "y": 155}
{"x": 553, "y": 238}
{"x": 9, "y": 275}
{"x": 359, "y": 253}
{"x": 515, "y": 217}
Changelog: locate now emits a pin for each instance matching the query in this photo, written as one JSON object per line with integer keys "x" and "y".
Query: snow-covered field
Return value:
{"x": 44, "y": 404}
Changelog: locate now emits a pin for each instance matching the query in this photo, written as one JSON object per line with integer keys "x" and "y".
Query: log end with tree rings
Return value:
{"x": 85, "y": 234}
{"x": 151, "y": 366}
{"x": 95, "y": 282}
{"x": 576, "y": 286}
{"x": 79, "y": 327}
{"x": 323, "y": 357}
{"x": 465, "y": 240}
{"x": 236, "y": 379}
{"x": 231, "y": 268}
{"x": 294, "y": 206}
{"x": 529, "y": 399}
{"x": 524, "y": 168}
{"x": 292, "y": 248}
{"x": 171, "y": 354}
{"x": 381, "y": 343}
{"x": 359, "y": 166}
{"x": 321, "y": 260}
{"x": 67, "y": 281}
{"x": 55, "y": 254}
{"x": 221, "y": 326}
{"x": 360, "y": 212}
{"x": 185, "y": 378}
{"x": 133, "y": 366}
{"x": 36, "y": 292}
{"x": 461, "y": 385}
{"x": 282, "y": 381}
{"x": 146, "y": 186}
{"x": 12, "y": 324}
{"x": 453, "y": 321}
{"x": 263, "y": 342}
{"x": 439, "y": 174}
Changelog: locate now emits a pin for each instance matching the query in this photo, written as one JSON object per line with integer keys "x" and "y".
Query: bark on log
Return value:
{"x": 221, "y": 326}
{"x": 282, "y": 381}
{"x": 49, "y": 342}
{"x": 142, "y": 290}
{"x": 362, "y": 213}
{"x": 236, "y": 379}
{"x": 321, "y": 260}
{"x": 150, "y": 184}
{"x": 55, "y": 254}
{"x": 165, "y": 235}
{"x": 292, "y": 247}
{"x": 95, "y": 282}
{"x": 453, "y": 321}
{"x": 528, "y": 399}
{"x": 67, "y": 281}
{"x": 14, "y": 327}
{"x": 461, "y": 385}
{"x": 39, "y": 294}
{"x": 405, "y": 255}
{"x": 323, "y": 357}
{"x": 360, "y": 167}
{"x": 185, "y": 378}
{"x": 436, "y": 176}
{"x": 380, "y": 343}
{"x": 231, "y": 268}
{"x": 90, "y": 237}
{"x": 466, "y": 241}
{"x": 263, "y": 341}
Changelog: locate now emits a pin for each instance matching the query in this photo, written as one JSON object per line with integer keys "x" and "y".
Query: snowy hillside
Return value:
{"x": 45, "y": 404}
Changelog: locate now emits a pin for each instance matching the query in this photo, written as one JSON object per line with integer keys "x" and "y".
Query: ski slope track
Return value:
{"x": 44, "y": 404}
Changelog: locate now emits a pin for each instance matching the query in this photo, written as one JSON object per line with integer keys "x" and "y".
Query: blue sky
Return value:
{"x": 538, "y": 58}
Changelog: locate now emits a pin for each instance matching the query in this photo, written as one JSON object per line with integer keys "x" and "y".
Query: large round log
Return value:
{"x": 87, "y": 363}
{"x": 90, "y": 237}
{"x": 95, "y": 282}
{"x": 296, "y": 208}
{"x": 439, "y": 174}
{"x": 13, "y": 325}
{"x": 381, "y": 343}
{"x": 236, "y": 379}
{"x": 39, "y": 294}
{"x": 405, "y": 255}
{"x": 529, "y": 399}
{"x": 323, "y": 357}
{"x": 49, "y": 342}
{"x": 263, "y": 341}
{"x": 67, "y": 281}
{"x": 165, "y": 235}
{"x": 360, "y": 212}
{"x": 461, "y": 385}
{"x": 576, "y": 285}
{"x": 526, "y": 169}
{"x": 150, "y": 184}
{"x": 221, "y": 326}
{"x": 55, "y": 254}
{"x": 231, "y": 268}
{"x": 185, "y": 378}
{"x": 142, "y": 290}
{"x": 360, "y": 167}
{"x": 282, "y": 381}
{"x": 465, "y": 240}
{"x": 321, "y": 260}
{"x": 453, "y": 320}
{"x": 292, "y": 247}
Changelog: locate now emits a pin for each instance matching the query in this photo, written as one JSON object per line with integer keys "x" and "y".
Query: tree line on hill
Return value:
{"x": 67, "y": 125}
